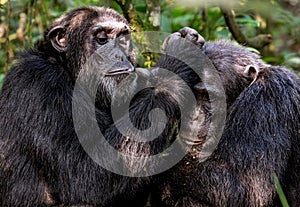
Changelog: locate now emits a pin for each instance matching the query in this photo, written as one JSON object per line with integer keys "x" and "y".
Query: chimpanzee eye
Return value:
{"x": 102, "y": 38}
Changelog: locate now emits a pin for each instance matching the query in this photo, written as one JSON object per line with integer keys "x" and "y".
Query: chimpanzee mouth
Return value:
{"x": 119, "y": 71}
{"x": 196, "y": 141}
{"x": 186, "y": 139}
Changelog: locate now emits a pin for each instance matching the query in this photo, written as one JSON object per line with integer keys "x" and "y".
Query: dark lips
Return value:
{"x": 188, "y": 140}
{"x": 119, "y": 70}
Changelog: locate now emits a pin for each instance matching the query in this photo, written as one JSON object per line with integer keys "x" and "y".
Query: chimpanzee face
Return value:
{"x": 111, "y": 40}
{"x": 97, "y": 41}
{"x": 80, "y": 33}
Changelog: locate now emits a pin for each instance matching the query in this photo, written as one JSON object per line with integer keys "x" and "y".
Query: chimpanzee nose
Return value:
{"x": 119, "y": 57}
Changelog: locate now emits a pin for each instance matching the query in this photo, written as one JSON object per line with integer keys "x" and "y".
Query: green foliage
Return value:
{"x": 280, "y": 191}
{"x": 2, "y": 76}
{"x": 215, "y": 26}
{"x": 254, "y": 17}
{"x": 248, "y": 24}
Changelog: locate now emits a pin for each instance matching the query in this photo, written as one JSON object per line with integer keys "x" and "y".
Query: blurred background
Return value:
{"x": 268, "y": 27}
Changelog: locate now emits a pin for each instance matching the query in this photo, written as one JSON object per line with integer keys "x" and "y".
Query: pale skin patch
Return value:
{"x": 49, "y": 200}
{"x": 113, "y": 27}
{"x": 252, "y": 71}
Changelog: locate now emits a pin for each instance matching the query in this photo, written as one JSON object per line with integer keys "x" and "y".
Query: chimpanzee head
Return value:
{"x": 94, "y": 37}
{"x": 237, "y": 66}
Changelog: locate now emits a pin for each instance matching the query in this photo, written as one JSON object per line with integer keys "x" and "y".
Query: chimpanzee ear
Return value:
{"x": 251, "y": 71}
{"x": 58, "y": 39}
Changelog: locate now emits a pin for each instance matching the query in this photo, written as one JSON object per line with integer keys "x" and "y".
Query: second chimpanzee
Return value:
{"x": 260, "y": 139}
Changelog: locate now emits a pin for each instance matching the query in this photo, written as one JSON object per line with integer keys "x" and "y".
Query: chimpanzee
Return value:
{"x": 260, "y": 139}
{"x": 43, "y": 161}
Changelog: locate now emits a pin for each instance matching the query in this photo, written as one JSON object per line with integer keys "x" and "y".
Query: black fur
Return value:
{"x": 231, "y": 60}
{"x": 260, "y": 140}
{"x": 42, "y": 161}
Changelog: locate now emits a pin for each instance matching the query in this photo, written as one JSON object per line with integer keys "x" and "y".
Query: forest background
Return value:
{"x": 268, "y": 27}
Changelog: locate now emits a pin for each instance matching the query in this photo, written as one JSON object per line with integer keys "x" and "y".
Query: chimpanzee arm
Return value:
{"x": 168, "y": 89}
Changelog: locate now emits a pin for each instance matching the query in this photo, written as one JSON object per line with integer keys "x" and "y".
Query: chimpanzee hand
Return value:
{"x": 187, "y": 33}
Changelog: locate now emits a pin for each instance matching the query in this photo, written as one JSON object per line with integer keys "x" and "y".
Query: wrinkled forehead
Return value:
{"x": 110, "y": 19}
{"x": 112, "y": 25}
{"x": 107, "y": 18}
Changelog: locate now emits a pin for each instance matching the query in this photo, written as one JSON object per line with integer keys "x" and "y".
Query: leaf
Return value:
{"x": 279, "y": 191}
{"x": 2, "y": 76}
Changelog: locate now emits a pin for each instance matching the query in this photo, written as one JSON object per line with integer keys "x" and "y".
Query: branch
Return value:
{"x": 131, "y": 15}
{"x": 7, "y": 37}
{"x": 257, "y": 42}
{"x": 153, "y": 14}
